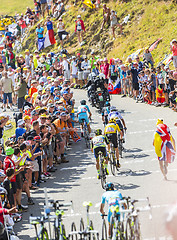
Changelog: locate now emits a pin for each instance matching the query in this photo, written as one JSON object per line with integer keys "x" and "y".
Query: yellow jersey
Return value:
{"x": 111, "y": 128}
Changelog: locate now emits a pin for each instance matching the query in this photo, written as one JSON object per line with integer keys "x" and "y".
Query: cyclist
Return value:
{"x": 98, "y": 144}
{"x": 119, "y": 119}
{"x": 82, "y": 115}
{"x": 111, "y": 132}
{"x": 112, "y": 197}
{"x": 105, "y": 113}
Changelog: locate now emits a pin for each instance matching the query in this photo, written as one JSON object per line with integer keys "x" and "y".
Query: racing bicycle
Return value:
{"x": 117, "y": 226}
{"x": 104, "y": 228}
{"x": 102, "y": 169}
{"x": 112, "y": 160}
{"x": 86, "y": 133}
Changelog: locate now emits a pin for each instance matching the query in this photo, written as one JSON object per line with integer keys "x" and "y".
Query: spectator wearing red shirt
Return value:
{"x": 33, "y": 88}
{"x": 173, "y": 48}
{"x": 106, "y": 69}
{"x": 22, "y": 24}
{"x": 79, "y": 28}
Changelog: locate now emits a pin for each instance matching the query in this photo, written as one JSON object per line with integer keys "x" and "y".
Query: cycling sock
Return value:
{"x": 106, "y": 166}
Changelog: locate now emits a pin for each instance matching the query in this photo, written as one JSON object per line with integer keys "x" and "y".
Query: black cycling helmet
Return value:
{"x": 98, "y": 132}
{"x": 83, "y": 102}
{"x": 1, "y": 228}
{"x": 109, "y": 186}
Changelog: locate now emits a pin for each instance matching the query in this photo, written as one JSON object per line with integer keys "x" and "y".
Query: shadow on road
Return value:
{"x": 129, "y": 172}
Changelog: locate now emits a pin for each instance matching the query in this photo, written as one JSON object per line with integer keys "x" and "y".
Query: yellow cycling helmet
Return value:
{"x": 112, "y": 120}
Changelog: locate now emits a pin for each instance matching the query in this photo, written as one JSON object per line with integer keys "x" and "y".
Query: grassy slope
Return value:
{"x": 149, "y": 20}
{"x": 14, "y": 6}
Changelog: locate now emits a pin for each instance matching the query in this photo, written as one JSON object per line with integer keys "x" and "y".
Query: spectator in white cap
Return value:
{"x": 61, "y": 31}
{"x": 74, "y": 70}
{"x": 20, "y": 130}
{"x": 79, "y": 28}
{"x": 85, "y": 65}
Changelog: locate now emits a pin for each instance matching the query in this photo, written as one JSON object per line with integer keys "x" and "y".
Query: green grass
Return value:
{"x": 11, "y": 7}
{"x": 149, "y": 20}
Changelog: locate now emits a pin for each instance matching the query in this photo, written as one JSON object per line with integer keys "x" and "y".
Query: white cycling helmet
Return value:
{"x": 101, "y": 76}
{"x": 113, "y": 108}
{"x": 3, "y": 190}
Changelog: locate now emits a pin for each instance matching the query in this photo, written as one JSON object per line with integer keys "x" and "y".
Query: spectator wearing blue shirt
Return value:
{"x": 134, "y": 73}
{"x": 39, "y": 31}
{"x": 20, "y": 130}
{"x": 140, "y": 64}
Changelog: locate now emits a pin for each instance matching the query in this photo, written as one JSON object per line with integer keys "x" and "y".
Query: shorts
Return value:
{"x": 86, "y": 75}
{"x": 60, "y": 34}
{"x": 110, "y": 215}
{"x": 162, "y": 86}
{"x": 81, "y": 75}
{"x": 153, "y": 89}
{"x": 5, "y": 96}
{"x": 175, "y": 61}
{"x": 113, "y": 78}
{"x": 74, "y": 76}
{"x": 35, "y": 166}
{"x": 19, "y": 181}
{"x": 49, "y": 151}
{"x": 58, "y": 137}
{"x": 21, "y": 101}
{"x": 67, "y": 74}
{"x": 100, "y": 149}
{"x": 125, "y": 83}
{"x": 14, "y": 187}
{"x": 136, "y": 86}
{"x": 112, "y": 137}
{"x": 83, "y": 117}
{"x": 44, "y": 6}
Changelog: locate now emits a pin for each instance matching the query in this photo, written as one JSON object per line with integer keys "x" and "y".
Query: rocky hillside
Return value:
{"x": 149, "y": 20}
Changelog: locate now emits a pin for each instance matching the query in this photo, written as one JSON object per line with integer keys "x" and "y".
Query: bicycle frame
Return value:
{"x": 102, "y": 169}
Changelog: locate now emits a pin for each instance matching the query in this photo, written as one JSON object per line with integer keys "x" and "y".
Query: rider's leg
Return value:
{"x": 117, "y": 154}
{"x": 89, "y": 128}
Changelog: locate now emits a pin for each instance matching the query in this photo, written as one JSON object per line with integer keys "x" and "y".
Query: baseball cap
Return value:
{"x": 26, "y": 117}
{"x": 9, "y": 151}
{"x": 37, "y": 138}
{"x": 26, "y": 50}
{"x": 78, "y": 16}
{"x": 78, "y": 54}
{"x": 20, "y": 122}
{"x": 43, "y": 116}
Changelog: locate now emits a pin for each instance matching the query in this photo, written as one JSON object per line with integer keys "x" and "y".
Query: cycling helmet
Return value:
{"x": 107, "y": 104}
{"x": 83, "y": 102}
{"x": 109, "y": 186}
{"x": 113, "y": 108}
{"x": 101, "y": 76}
{"x": 98, "y": 132}
{"x": 1, "y": 228}
{"x": 112, "y": 120}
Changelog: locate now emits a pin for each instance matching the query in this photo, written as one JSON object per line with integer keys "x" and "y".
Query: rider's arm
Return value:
{"x": 123, "y": 122}
{"x": 102, "y": 208}
{"x": 118, "y": 129}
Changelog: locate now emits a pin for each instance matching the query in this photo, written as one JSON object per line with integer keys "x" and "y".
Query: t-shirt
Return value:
{"x": 79, "y": 62}
{"x": 19, "y": 132}
{"x": 49, "y": 25}
{"x": 39, "y": 32}
{"x": 106, "y": 69}
{"x": 174, "y": 51}
{"x": 65, "y": 65}
{"x": 32, "y": 90}
{"x": 22, "y": 91}
{"x": 60, "y": 124}
{"x": 111, "y": 128}
{"x": 112, "y": 198}
{"x": 9, "y": 163}
{"x": 148, "y": 56}
{"x": 85, "y": 65}
{"x": 6, "y": 84}
{"x": 8, "y": 186}
{"x": 160, "y": 78}
{"x": 112, "y": 70}
{"x": 74, "y": 68}
{"x": 43, "y": 1}
{"x": 134, "y": 72}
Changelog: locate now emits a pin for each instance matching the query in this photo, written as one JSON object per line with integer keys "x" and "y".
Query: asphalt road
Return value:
{"x": 139, "y": 176}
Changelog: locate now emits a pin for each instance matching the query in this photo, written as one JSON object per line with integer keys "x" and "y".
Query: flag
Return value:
{"x": 114, "y": 87}
{"x": 168, "y": 60}
{"x": 135, "y": 54}
{"x": 49, "y": 38}
{"x": 164, "y": 144}
{"x": 160, "y": 96}
{"x": 154, "y": 44}
{"x": 41, "y": 44}
{"x": 89, "y": 4}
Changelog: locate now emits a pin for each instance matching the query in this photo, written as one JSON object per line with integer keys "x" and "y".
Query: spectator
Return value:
{"x": 148, "y": 57}
{"x": 61, "y": 31}
{"x": 106, "y": 15}
{"x": 74, "y": 70}
{"x": 173, "y": 48}
{"x": 79, "y": 28}
{"x": 44, "y": 7}
{"x": 79, "y": 61}
{"x": 66, "y": 67}
{"x": 114, "y": 23}
{"x": 20, "y": 130}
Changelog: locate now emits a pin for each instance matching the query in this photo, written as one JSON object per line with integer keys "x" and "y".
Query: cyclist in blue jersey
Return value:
{"x": 105, "y": 112}
{"x": 82, "y": 115}
{"x": 112, "y": 198}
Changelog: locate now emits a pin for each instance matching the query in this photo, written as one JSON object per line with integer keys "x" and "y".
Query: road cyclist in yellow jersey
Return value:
{"x": 110, "y": 132}
{"x": 98, "y": 144}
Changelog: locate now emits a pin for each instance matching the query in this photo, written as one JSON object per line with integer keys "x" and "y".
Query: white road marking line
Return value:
{"x": 70, "y": 168}
{"x": 146, "y": 131}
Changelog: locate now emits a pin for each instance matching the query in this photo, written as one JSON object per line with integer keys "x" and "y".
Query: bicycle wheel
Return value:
{"x": 102, "y": 174}
{"x": 73, "y": 229}
{"x": 44, "y": 235}
{"x": 113, "y": 164}
{"x": 93, "y": 236}
{"x": 104, "y": 230}
{"x": 121, "y": 231}
{"x": 112, "y": 227}
{"x": 128, "y": 230}
{"x": 137, "y": 229}
{"x": 81, "y": 225}
{"x": 120, "y": 147}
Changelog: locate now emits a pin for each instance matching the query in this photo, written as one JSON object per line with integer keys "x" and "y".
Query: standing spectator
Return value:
{"x": 79, "y": 28}
{"x": 49, "y": 25}
{"x": 66, "y": 67}
{"x": 148, "y": 58}
{"x": 10, "y": 58}
{"x": 20, "y": 130}
{"x": 106, "y": 69}
{"x": 61, "y": 31}
{"x": 39, "y": 33}
{"x": 27, "y": 57}
{"x": 7, "y": 88}
{"x": 134, "y": 72}
{"x": 93, "y": 59}
{"x": 173, "y": 48}
{"x": 74, "y": 70}
{"x": 44, "y": 7}
{"x": 114, "y": 23}
{"x": 86, "y": 68}
{"x": 22, "y": 24}
{"x": 140, "y": 64}
{"x": 79, "y": 61}
{"x": 21, "y": 88}
{"x": 106, "y": 15}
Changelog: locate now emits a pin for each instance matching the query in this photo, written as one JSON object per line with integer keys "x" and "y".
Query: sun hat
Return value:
{"x": 9, "y": 151}
{"x": 20, "y": 122}
{"x": 26, "y": 117}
